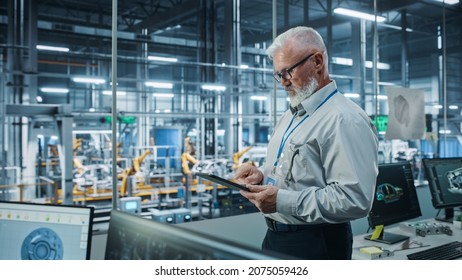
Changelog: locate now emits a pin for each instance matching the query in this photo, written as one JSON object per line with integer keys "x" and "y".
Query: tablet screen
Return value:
{"x": 222, "y": 181}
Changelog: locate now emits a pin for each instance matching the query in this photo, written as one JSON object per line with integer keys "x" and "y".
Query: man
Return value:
{"x": 321, "y": 165}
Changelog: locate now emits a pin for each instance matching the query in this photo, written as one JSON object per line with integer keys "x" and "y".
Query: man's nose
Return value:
{"x": 285, "y": 82}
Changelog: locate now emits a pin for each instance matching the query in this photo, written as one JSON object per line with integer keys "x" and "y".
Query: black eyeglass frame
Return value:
{"x": 283, "y": 74}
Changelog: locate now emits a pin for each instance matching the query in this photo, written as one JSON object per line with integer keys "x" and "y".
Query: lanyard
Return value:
{"x": 286, "y": 136}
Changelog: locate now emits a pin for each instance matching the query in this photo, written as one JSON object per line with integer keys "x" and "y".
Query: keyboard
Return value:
{"x": 448, "y": 251}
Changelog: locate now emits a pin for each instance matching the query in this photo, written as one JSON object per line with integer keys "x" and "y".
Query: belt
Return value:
{"x": 280, "y": 227}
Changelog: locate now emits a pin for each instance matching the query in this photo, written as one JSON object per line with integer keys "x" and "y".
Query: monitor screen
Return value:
{"x": 395, "y": 198}
{"x": 444, "y": 176}
{"x": 44, "y": 231}
{"x": 131, "y": 237}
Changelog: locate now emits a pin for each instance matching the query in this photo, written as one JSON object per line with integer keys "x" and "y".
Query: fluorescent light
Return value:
{"x": 352, "y": 95}
{"x": 352, "y": 13}
{"x": 382, "y": 97}
{"x": 89, "y": 80}
{"x": 109, "y": 92}
{"x": 395, "y": 27}
{"x": 258, "y": 97}
{"x": 92, "y": 110}
{"x": 157, "y": 111}
{"x": 449, "y": 2}
{"x": 54, "y": 90}
{"x": 453, "y": 107}
{"x": 342, "y": 61}
{"x": 39, "y": 99}
{"x": 244, "y": 66}
{"x": 445, "y": 131}
{"x": 213, "y": 87}
{"x": 438, "y": 106}
{"x": 380, "y": 65}
{"x": 51, "y": 48}
{"x": 368, "y": 64}
{"x": 167, "y": 111}
{"x": 162, "y": 58}
{"x": 163, "y": 95}
{"x": 159, "y": 85}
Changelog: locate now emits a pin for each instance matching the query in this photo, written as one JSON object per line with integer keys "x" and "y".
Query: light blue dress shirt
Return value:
{"x": 327, "y": 166}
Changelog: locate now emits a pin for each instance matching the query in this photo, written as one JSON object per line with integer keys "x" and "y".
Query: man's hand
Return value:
{"x": 248, "y": 174}
{"x": 263, "y": 197}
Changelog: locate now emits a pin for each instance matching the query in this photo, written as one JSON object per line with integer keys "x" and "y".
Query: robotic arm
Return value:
{"x": 238, "y": 155}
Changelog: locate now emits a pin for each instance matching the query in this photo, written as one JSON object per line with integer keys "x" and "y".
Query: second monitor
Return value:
{"x": 444, "y": 177}
{"x": 395, "y": 200}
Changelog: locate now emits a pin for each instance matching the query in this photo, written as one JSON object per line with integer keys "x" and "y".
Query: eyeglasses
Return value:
{"x": 286, "y": 74}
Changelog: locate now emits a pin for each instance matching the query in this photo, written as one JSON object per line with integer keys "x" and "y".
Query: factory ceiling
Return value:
{"x": 179, "y": 27}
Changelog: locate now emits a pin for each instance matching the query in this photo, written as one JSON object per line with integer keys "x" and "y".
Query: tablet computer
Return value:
{"x": 222, "y": 181}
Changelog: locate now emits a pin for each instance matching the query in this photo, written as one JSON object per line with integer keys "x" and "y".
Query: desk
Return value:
{"x": 432, "y": 240}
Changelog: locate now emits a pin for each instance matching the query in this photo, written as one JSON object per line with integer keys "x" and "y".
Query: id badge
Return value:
{"x": 270, "y": 181}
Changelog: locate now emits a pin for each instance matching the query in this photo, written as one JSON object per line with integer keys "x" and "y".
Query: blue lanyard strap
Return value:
{"x": 286, "y": 136}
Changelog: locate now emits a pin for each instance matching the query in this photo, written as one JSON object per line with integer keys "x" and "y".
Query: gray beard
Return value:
{"x": 303, "y": 93}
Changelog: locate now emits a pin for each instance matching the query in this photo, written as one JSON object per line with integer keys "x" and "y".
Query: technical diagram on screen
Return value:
{"x": 31, "y": 231}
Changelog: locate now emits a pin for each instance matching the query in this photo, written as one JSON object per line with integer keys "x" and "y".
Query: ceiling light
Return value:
{"x": 167, "y": 111}
{"x": 453, "y": 107}
{"x": 163, "y": 95}
{"x": 51, "y": 48}
{"x": 39, "y": 99}
{"x": 244, "y": 66}
{"x": 54, "y": 90}
{"x": 162, "y": 58}
{"x": 380, "y": 65}
{"x": 382, "y": 97}
{"x": 213, "y": 87}
{"x": 342, "y": 61}
{"x": 109, "y": 92}
{"x": 445, "y": 131}
{"x": 258, "y": 97}
{"x": 438, "y": 106}
{"x": 367, "y": 64}
{"x": 395, "y": 27}
{"x": 449, "y": 2}
{"x": 159, "y": 85}
{"x": 352, "y": 13}
{"x": 352, "y": 95}
{"x": 89, "y": 80}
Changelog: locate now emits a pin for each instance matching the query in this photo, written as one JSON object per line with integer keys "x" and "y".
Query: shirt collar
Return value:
{"x": 312, "y": 102}
{"x": 299, "y": 110}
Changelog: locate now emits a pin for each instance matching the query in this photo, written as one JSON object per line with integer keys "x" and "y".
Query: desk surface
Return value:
{"x": 429, "y": 241}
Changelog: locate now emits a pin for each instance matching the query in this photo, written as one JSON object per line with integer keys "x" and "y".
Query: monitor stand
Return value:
{"x": 388, "y": 238}
{"x": 447, "y": 217}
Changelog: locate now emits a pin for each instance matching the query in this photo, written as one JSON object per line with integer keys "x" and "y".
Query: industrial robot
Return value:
{"x": 134, "y": 170}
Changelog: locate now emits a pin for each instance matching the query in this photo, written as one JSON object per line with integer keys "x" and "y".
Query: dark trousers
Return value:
{"x": 330, "y": 242}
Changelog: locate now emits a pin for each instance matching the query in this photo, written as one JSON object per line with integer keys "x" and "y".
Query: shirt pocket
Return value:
{"x": 292, "y": 165}
{"x": 298, "y": 166}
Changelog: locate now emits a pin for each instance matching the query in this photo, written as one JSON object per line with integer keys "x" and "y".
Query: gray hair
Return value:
{"x": 302, "y": 36}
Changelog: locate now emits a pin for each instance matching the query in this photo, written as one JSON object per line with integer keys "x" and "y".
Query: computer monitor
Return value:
{"x": 131, "y": 237}
{"x": 444, "y": 176}
{"x": 395, "y": 200}
{"x": 44, "y": 231}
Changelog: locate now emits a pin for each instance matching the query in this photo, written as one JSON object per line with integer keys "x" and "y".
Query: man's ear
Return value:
{"x": 319, "y": 63}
